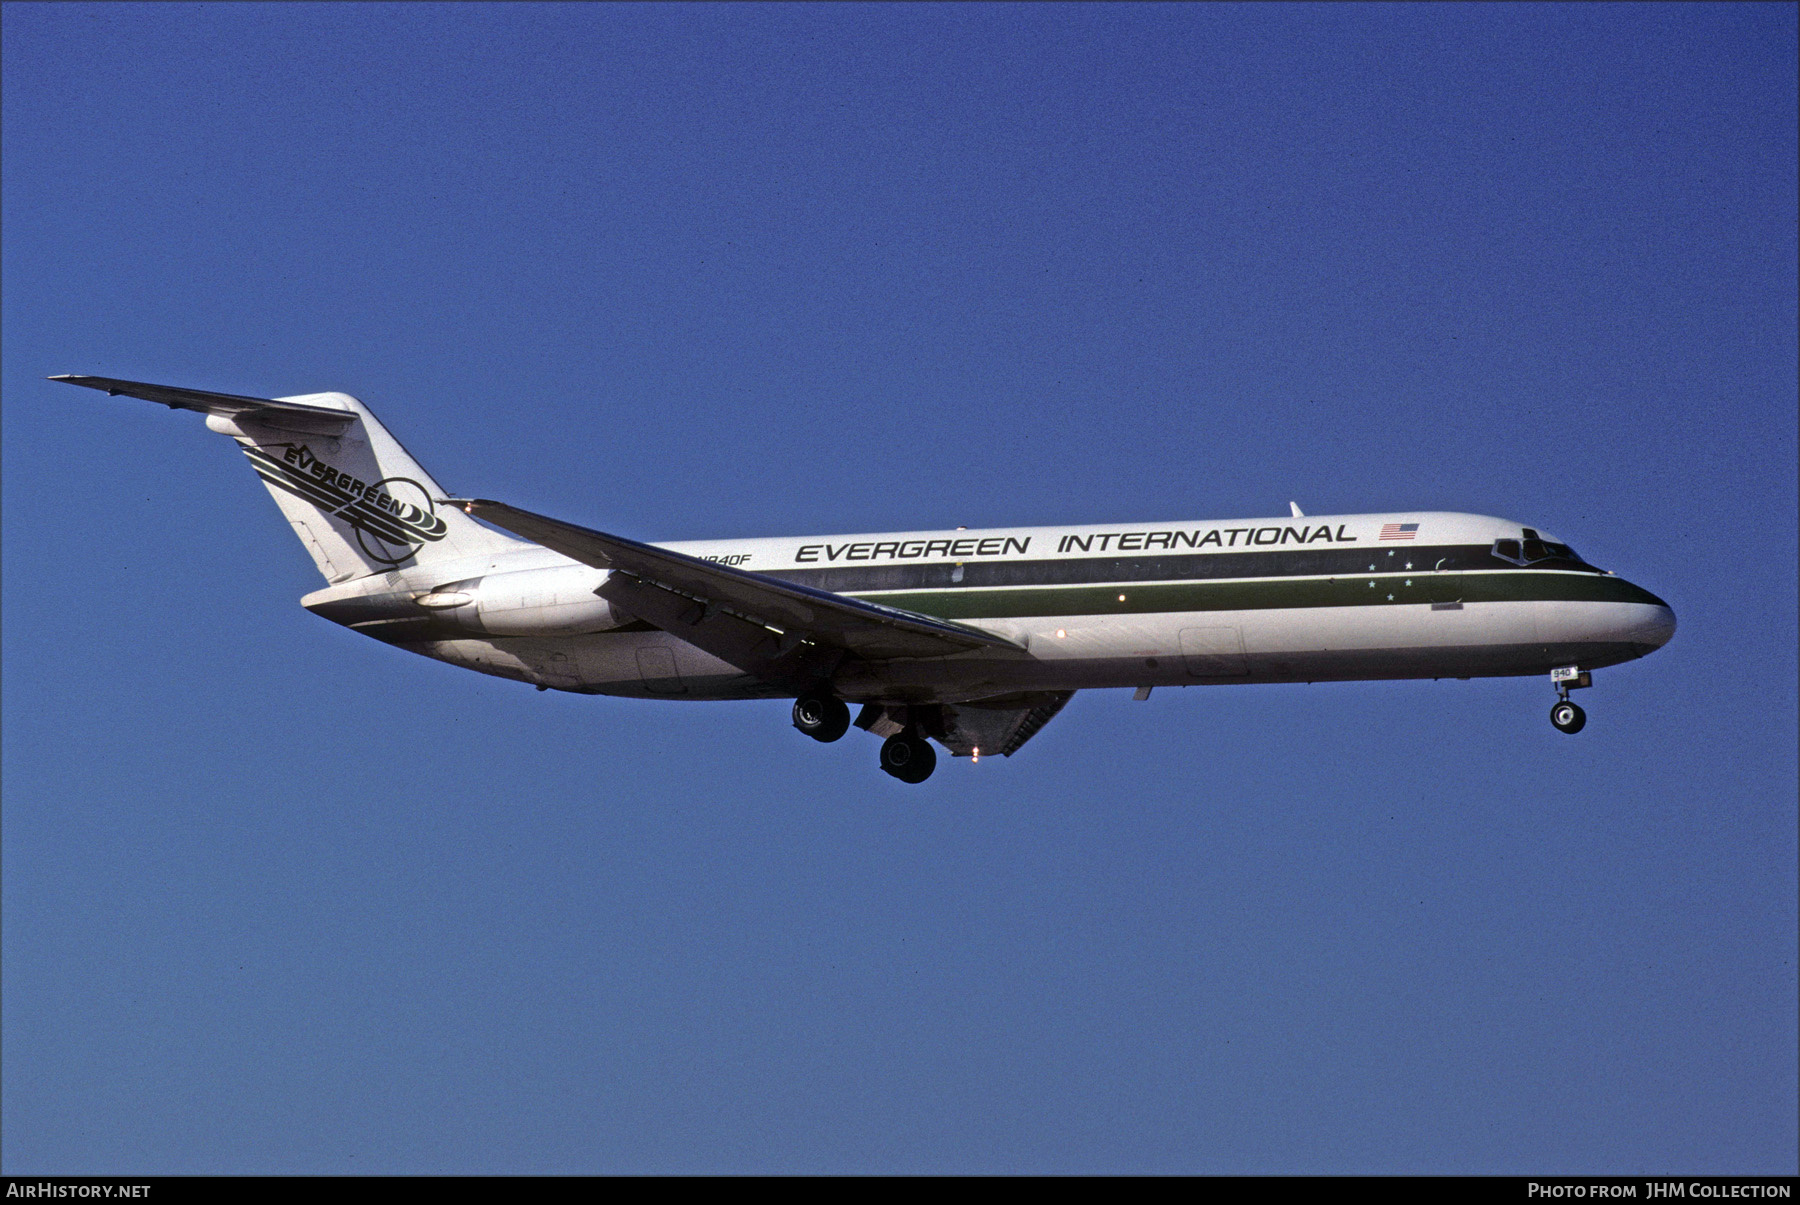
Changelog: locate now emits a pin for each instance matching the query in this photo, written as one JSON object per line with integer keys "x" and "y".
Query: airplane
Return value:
{"x": 974, "y": 639}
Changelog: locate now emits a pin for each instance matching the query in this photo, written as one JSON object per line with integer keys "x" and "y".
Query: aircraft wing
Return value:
{"x": 765, "y": 626}
{"x": 292, "y": 416}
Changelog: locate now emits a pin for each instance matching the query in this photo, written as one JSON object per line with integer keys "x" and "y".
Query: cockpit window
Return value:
{"x": 1533, "y": 549}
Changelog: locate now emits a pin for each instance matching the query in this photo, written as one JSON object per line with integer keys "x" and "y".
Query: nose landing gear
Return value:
{"x": 1566, "y": 716}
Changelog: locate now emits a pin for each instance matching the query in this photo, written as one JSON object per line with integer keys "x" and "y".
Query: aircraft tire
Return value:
{"x": 821, "y": 717}
{"x": 907, "y": 757}
{"x": 1568, "y": 717}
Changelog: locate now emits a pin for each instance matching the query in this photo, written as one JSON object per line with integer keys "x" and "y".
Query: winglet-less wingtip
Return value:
{"x": 70, "y": 378}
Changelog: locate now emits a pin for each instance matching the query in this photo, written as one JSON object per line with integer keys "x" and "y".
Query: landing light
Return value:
{"x": 1060, "y": 633}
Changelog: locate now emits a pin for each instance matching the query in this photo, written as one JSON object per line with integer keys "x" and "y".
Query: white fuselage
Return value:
{"x": 1262, "y": 600}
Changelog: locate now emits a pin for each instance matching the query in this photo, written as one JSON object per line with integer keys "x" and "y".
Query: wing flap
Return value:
{"x": 749, "y": 619}
{"x": 1001, "y": 725}
{"x": 292, "y": 416}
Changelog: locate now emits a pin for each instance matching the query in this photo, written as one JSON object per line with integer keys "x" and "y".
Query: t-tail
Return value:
{"x": 356, "y": 498}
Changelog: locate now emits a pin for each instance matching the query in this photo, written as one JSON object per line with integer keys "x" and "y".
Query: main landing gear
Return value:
{"x": 822, "y": 717}
{"x": 908, "y": 756}
{"x": 1568, "y": 717}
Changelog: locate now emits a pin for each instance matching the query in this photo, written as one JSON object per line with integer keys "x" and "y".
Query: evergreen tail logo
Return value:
{"x": 393, "y": 518}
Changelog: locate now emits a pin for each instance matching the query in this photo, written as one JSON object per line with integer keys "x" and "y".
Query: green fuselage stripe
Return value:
{"x": 1141, "y": 598}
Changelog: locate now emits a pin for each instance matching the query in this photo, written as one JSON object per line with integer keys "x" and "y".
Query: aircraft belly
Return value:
{"x": 1409, "y": 640}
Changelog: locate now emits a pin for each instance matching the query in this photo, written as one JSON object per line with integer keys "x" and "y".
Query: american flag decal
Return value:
{"x": 1399, "y": 531}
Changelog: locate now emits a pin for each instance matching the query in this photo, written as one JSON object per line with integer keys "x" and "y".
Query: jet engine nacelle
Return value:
{"x": 529, "y": 602}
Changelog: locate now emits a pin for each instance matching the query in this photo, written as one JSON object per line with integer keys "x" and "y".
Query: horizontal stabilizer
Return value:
{"x": 749, "y": 619}
{"x": 291, "y": 416}
{"x": 358, "y": 500}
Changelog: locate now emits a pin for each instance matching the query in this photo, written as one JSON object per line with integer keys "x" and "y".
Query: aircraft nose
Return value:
{"x": 1654, "y": 629}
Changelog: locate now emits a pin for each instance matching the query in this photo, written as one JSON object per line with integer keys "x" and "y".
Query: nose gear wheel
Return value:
{"x": 1568, "y": 717}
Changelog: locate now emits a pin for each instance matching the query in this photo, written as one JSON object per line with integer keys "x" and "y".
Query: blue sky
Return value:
{"x": 281, "y": 899}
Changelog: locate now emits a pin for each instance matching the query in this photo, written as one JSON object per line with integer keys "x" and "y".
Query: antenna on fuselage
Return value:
{"x": 1298, "y": 513}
